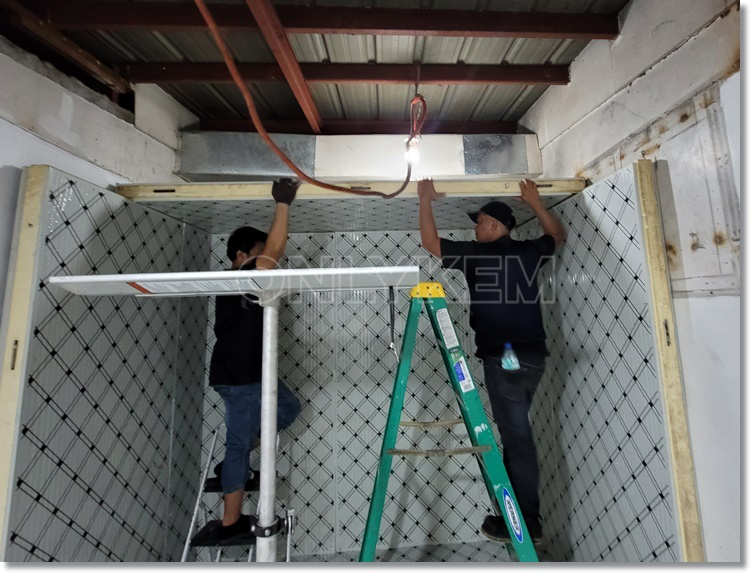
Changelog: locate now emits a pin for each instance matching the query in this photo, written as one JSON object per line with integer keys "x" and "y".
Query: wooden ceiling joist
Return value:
{"x": 168, "y": 16}
{"x": 170, "y": 73}
{"x": 361, "y": 127}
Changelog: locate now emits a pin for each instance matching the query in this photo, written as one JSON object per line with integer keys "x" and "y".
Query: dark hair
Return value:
{"x": 244, "y": 239}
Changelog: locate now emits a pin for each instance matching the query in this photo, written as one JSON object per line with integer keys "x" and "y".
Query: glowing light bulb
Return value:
{"x": 412, "y": 155}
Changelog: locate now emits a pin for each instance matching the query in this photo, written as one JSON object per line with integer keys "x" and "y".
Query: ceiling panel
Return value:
{"x": 349, "y": 213}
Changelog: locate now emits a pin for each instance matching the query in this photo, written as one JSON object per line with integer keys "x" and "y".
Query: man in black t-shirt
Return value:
{"x": 501, "y": 274}
{"x": 236, "y": 362}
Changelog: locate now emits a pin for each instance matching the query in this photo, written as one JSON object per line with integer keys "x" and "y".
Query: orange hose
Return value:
{"x": 416, "y": 118}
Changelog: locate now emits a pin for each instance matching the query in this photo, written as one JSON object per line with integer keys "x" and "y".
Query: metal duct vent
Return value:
{"x": 235, "y": 156}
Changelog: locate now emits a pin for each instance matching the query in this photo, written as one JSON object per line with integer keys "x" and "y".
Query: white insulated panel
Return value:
{"x": 346, "y": 213}
{"x": 605, "y": 482}
{"x": 606, "y": 490}
{"x": 93, "y": 478}
{"x": 382, "y": 157}
{"x": 334, "y": 355}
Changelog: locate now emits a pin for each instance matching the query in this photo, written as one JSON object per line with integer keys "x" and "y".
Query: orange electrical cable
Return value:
{"x": 417, "y": 117}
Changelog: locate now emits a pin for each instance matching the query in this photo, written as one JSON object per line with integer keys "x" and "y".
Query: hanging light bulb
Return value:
{"x": 412, "y": 155}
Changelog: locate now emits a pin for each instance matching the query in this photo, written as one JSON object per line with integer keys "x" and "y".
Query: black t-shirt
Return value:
{"x": 239, "y": 329}
{"x": 502, "y": 277}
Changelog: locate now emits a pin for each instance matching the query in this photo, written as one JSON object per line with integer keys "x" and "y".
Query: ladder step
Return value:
{"x": 207, "y": 536}
{"x": 214, "y": 484}
{"x": 439, "y": 451}
{"x": 432, "y": 424}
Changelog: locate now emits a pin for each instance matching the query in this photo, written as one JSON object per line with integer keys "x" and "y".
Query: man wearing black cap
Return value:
{"x": 505, "y": 313}
{"x": 235, "y": 368}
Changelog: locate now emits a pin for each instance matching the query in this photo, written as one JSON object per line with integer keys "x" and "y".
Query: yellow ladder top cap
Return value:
{"x": 428, "y": 291}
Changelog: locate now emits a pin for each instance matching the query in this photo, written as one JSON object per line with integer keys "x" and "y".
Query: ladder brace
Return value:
{"x": 439, "y": 451}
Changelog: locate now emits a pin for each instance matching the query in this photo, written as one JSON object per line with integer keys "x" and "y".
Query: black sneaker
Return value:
{"x": 495, "y": 528}
{"x": 241, "y": 528}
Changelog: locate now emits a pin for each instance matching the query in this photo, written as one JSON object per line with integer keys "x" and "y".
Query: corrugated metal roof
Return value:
{"x": 353, "y": 101}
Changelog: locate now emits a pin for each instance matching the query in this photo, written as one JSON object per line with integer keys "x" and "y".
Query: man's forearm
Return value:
{"x": 429, "y": 236}
{"x": 277, "y": 239}
{"x": 550, "y": 223}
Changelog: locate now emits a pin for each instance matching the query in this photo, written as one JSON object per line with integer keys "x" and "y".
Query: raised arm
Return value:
{"x": 283, "y": 192}
{"x": 550, "y": 224}
{"x": 429, "y": 236}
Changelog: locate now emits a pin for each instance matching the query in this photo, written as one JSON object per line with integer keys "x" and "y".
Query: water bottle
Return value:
{"x": 509, "y": 361}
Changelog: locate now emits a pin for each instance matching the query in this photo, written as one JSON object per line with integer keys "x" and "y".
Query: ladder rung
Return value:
{"x": 431, "y": 424}
{"x": 439, "y": 451}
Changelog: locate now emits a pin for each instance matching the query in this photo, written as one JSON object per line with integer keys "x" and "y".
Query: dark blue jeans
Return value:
{"x": 511, "y": 394}
{"x": 243, "y": 423}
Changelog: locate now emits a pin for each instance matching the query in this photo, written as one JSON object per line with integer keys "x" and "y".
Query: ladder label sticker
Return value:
{"x": 463, "y": 375}
{"x": 447, "y": 329}
{"x": 514, "y": 519}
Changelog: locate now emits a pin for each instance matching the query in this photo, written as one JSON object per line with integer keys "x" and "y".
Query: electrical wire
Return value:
{"x": 418, "y": 110}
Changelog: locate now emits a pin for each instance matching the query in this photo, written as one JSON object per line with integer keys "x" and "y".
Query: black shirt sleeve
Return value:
{"x": 545, "y": 245}
{"x": 454, "y": 253}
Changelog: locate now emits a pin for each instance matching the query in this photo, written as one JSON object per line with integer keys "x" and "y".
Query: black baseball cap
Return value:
{"x": 499, "y": 211}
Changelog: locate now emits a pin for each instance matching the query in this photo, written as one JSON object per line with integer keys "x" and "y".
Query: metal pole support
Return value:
{"x": 266, "y": 547}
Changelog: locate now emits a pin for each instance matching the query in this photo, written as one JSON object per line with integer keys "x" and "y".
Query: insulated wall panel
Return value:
{"x": 345, "y": 213}
{"x": 92, "y": 469}
{"x": 333, "y": 353}
{"x": 187, "y": 426}
{"x": 599, "y": 414}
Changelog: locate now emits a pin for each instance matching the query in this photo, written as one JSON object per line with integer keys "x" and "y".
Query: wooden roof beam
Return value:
{"x": 167, "y": 16}
{"x": 173, "y": 73}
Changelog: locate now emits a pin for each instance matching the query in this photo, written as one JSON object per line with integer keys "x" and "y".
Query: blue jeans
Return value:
{"x": 243, "y": 423}
{"x": 511, "y": 394}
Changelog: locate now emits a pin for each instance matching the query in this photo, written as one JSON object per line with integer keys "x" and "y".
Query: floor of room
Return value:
{"x": 484, "y": 551}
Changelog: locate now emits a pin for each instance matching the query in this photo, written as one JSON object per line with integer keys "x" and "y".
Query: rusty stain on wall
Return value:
{"x": 696, "y": 244}
{"x": 684, "y": 117}
{"x": 719, "y": 238}
{"x": 651, "y": 150}
{"x": 670, "y": 254}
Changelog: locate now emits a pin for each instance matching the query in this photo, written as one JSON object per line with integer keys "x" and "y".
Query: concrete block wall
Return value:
{"x": 51, "y": 119}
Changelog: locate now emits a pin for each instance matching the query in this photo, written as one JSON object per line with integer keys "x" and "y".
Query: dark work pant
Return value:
{"x": 243, "y": 423}
{"x": 511, "y": 393}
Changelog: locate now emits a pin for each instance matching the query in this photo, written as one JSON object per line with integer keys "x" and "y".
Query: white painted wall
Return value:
{"x": 731, "y": 93}
{"x": 159, "y": 115}
{"x": 612, "y": 98}
{"x": 656, "y": 92}
{"x": 709, "y": 331}
{"x": 40, "y": 106}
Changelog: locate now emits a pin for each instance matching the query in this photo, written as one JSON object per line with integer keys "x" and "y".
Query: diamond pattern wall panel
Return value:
{"x": 93, "y": 460}
{"x": 346, "y": 213}
{"x": 333, "y": 353}
{"x": 431, "y": 500}
{"x": 605, "y": 483}
{"x": 189, "y": 392}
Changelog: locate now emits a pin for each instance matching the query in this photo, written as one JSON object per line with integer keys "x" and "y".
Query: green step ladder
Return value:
{"x": 483, "y": 442}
